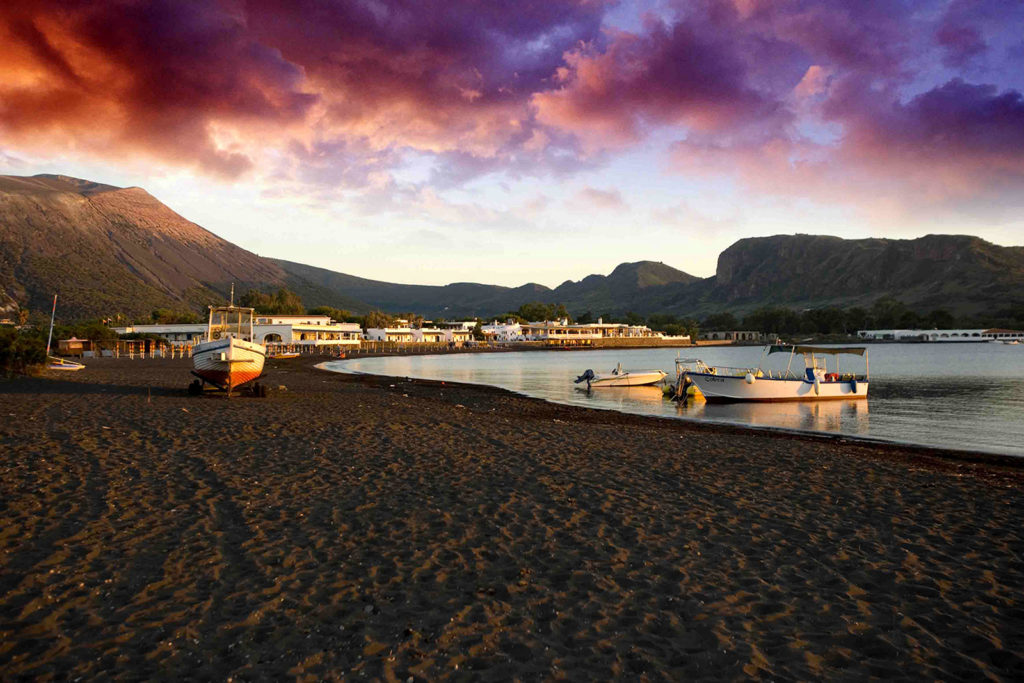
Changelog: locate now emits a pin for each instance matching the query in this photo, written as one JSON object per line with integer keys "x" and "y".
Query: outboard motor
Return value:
{"x": 585, "y": 377}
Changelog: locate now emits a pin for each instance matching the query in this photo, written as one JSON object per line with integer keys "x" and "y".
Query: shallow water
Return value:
{"x": 964, "y": 396}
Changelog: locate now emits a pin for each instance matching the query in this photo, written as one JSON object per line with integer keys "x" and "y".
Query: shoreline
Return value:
{"x": 358, "y": 525}
{"x": 967, "y": 455}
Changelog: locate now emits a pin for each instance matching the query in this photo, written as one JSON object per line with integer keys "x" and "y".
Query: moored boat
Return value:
{"x": 621, "y": 378}
{"x": 816, "y": 383}
{"x": 228, "y": 357}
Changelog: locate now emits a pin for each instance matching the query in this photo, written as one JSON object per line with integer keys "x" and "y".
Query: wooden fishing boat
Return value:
{"x": 228, "y": 357}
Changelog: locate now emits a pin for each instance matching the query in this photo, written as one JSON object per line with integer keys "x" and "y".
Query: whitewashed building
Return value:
{"x": 509, "y": 331}
{"x": 305, "y": 330}
{"x": 389, "y": 334}
{"x": 563, "y": 331}
{"x": 294, "y": 330}
{"x": 962, "y": 335}
{"x": 176, "y": 334}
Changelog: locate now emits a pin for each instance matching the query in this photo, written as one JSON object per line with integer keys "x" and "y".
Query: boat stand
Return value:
{"x": 199, "y": 386}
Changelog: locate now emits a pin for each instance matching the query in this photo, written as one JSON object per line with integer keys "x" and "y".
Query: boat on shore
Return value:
{"x": 55, "y": 362}
{"x": 815, "y": 383}
{"x": 621, "y": 378}
{"x": 228, "y": 357}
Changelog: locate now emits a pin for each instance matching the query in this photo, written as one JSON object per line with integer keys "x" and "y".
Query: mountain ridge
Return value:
{"x": 120, "y": 250}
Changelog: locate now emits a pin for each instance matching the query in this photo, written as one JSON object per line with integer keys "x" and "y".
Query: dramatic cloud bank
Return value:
{"x": 911, "y": 103}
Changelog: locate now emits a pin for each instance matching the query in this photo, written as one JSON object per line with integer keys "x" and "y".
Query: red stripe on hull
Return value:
{"x": 223, "y": 378}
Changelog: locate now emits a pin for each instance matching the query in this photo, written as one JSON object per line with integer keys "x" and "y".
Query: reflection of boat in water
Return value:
{"x": 641, "y": 394}
{"x": 621, "y": 378}
{"x": 721, "y": 383}
{"x": 848, "y": 416}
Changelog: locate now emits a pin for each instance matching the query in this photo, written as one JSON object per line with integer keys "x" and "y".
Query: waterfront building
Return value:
{"x": 509, "y": 331}
{"x": 305, "y": 330}
{"x": 176, "y": 334}
{"x": 430, "y": 335}
{"x": 561, "y": 331}
{"x": 960, "y": 335}
{"x": 294, "y": 330}
{"x": 389, "y": 334}
{"x": 735, "y": 336}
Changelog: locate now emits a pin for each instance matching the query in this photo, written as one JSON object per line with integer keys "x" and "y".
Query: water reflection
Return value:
{"x": 850, "y": 417}
{"x": 958, "y": 396}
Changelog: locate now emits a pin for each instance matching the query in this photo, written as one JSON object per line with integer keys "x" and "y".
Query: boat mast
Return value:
{"x": 53, "y": 313}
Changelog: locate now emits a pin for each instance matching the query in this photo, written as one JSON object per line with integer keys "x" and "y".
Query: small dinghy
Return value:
{"x": 621, "y": 378}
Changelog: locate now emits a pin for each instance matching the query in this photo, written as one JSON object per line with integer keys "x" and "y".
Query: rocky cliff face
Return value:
{"x": 108, "y": 249}
{"x": 952, "y": 271}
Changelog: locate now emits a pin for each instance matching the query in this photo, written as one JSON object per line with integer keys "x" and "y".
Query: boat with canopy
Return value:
{"x": 815, "y": 382}
{"x": 228, "y": 357}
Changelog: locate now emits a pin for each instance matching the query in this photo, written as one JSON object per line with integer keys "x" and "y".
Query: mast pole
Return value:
{"x": 53, "y": 313}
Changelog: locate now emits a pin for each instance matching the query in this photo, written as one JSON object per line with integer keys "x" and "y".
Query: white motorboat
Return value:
{"x": 228, "y": 357}
{"x": 621, "y": 378}
{"x": 815, "y": 383}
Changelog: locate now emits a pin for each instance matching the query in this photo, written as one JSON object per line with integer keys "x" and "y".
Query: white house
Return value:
{"x": 458, "y": 335}
{"x": 389, "y": 334}
{"x": 503, "y": 332}
{"x": 176, "y": 334}
{"x": 433, "y": 335}
{"x": 305, "y": 330}
{"x": 560, "y": 331}
{"x": 295, "y": 330}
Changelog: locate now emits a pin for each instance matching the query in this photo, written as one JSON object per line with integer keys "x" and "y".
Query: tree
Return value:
{"x": 167, "y": 316}
{"x": 282, "y": 302}
{"x": 721, "y": 321}
{"x": 940, "y": 319}
{"x": 20, "y": 350}
{"x": 478, "y": 331}
{"x": 376, "y": 319}
{"x": 535, "y": 311}
{"x": 887, "y": 312}
{"x": 337, "y": 314}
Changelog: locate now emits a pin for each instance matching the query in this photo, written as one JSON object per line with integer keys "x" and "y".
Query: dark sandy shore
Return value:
{"x": 356, "y": 527}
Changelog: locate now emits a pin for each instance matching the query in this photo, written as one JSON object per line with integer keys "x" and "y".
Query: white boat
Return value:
{"x": 53, "y": 362}
{"x": 815, "y": 383}
{"x": 620, "y": 378}
{"x": 228, "y": 357}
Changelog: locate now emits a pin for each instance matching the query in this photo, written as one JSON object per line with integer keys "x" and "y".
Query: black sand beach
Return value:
{"x": 368, "y": 527}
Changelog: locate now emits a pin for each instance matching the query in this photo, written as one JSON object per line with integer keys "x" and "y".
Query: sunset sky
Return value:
{"x": 507, "y": 142}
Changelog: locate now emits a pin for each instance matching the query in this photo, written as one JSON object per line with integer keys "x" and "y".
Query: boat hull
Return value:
{"x": 627, "y": 379}
{"x": 228, "y": 363}
{"x": 726, "y": 388}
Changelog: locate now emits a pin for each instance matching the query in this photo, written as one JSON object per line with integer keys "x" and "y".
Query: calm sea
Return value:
{"x": 963, "y": 396}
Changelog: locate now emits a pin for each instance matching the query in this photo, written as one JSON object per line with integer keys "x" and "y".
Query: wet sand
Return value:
{"x": 355, "y": 527}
